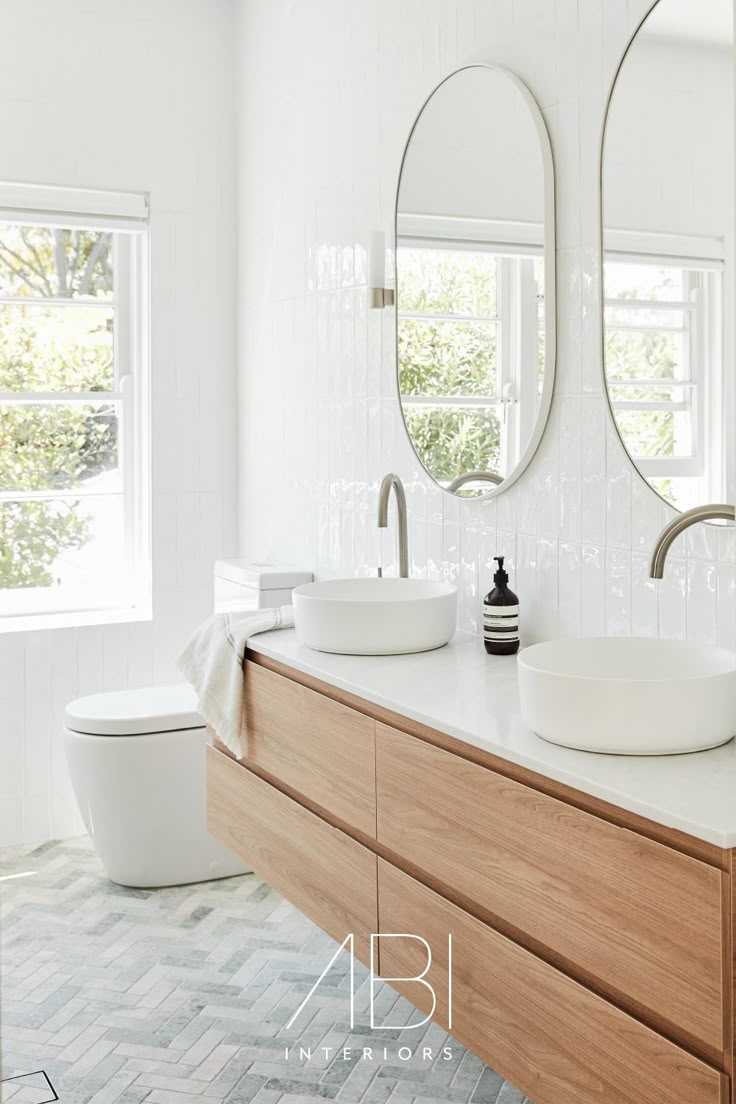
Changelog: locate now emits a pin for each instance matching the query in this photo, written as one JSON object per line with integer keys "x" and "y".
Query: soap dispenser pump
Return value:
{"x": 501, "y": 616}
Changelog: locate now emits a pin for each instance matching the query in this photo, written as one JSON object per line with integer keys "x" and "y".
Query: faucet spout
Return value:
{"x": 474, "y": 477}
{"x": 392, "y": 481}
{"x": 678, "y": 525}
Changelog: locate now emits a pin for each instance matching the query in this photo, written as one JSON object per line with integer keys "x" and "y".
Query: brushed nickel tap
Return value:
{"x": 474, "y": 477}
{"x": 678, "y": 525}
{"x": 393, "y": 481}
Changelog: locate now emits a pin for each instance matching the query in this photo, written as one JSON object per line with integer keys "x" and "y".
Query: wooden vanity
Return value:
{"x": 592, "y": 948}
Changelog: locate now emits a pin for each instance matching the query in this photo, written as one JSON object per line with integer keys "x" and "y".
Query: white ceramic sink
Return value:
{"x": 629, "y": 696}
{"x": 375, "y": 616}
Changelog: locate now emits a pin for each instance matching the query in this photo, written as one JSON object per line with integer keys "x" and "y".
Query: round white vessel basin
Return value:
{"x": 375, "y": 616}
{"x": 629, "y": 696}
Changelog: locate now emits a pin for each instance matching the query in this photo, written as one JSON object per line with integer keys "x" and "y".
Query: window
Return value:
{"x": 663, "y": 342}
{"x": 471, "y": 346}
{"x": 74, "y": 532}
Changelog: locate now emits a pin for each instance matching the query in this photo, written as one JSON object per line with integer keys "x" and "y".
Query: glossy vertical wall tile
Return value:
{"x": 577, "y": 528}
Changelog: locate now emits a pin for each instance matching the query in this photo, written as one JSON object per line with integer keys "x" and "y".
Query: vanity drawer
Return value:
{"x": 551, "y": 1037}
{"x": 319, "y": 747}
{"x": 639, "y": 922}
{"x": 326, "y": 874}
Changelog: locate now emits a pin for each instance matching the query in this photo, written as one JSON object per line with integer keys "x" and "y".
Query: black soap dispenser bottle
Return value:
{"x": 501, "y": 616}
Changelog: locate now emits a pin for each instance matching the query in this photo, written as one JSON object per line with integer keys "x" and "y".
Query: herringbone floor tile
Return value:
{"x": 183, "y": 996}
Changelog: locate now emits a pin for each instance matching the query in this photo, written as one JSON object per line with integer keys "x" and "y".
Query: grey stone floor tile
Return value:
{"x": 309, "y": 1090}
{"x": 509, "y": 1095}
{"x": 183, "y": 995}
{"x": 488, "y": 1088}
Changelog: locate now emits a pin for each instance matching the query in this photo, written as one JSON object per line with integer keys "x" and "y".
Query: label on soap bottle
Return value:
{"x": 501, "y": 623}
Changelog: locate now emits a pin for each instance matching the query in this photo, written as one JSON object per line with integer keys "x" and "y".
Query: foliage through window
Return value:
{"x": 72, "y": 527}
{"x": 657, "y": 321}
{"x": 459, "y": 365}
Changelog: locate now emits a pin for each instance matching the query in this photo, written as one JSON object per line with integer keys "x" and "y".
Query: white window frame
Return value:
{"x": 515, "y": 245}
{"x": 702, "y": 261}
{"x": 126, "y": 216}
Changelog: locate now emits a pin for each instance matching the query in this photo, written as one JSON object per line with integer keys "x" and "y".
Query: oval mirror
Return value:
{"x": 668, "y": 251}
{"x": 475, "y": 257}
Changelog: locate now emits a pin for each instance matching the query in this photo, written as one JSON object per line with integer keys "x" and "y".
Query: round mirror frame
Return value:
{"x": 550, "y": 267}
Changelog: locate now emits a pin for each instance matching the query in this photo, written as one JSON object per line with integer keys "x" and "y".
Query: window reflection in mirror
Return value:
{"x": 668, "y": 213}
{"x": 470, "y": 259}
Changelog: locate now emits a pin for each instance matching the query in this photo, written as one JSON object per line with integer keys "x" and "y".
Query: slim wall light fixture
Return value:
{"x": 379, "y": 296}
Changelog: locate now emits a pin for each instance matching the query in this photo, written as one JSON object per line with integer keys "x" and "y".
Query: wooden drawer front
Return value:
{"x": 636, "y": 920}
{"x": 325, "y": 873}
{"x": 552, "y": 1038}
{"x": 320, "y": 748}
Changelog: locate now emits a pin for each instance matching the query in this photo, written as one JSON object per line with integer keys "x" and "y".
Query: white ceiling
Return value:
{"x": 701, "y": 22}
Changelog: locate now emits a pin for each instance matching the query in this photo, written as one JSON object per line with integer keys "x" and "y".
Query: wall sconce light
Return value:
{"x": 379, "y": 296}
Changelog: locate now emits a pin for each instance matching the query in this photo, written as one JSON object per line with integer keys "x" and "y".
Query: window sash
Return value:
{"x": 651, "y": 304}
{"x": 451, "y": 400}
{"x": 650, "y": 404}
{"x": 58, "y": 398}
{"x": 517, "y": 321}
{"x": 21, "y": 607}
{"x": 643, "y": 327}
{"x": 696, "y": 310}
{"x": 616, "y": 381}
{"x": 57, "y": 301}
{"x": 431, "y": 316}
{"x": 48, "y": 495}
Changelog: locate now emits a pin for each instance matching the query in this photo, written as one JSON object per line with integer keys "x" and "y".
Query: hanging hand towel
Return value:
{"x": 213, "y": 662}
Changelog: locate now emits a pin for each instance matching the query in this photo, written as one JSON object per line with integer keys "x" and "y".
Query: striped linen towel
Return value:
{"x": 212, "y": 661}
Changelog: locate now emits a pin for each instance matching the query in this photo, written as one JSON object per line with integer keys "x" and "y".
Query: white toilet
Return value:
{"x": 137, "y": 765}
{"x": 137, "y": 762}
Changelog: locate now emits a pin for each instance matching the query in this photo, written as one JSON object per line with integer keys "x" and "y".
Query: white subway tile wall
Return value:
{"x": 327, "y": 94}
{"x": 326, "y": 91}
{"x": 160, "y": 119}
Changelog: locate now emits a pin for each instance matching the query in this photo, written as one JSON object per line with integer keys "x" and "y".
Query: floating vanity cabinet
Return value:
{"x": 592, "y": 949}
{"x": 633, "y": 918}
{"x": 326, "y": 874}
{"x": 554, "y": 1039}
{"x": 320, "y": 748}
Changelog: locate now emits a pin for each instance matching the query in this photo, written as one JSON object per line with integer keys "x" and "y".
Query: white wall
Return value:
{"x": 135, "y": 95}
{"x": 327, "y": 93}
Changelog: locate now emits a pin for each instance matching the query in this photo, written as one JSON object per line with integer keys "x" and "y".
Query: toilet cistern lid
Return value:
{"x": 261, "y": 576}
{"x": 135, "y": 712}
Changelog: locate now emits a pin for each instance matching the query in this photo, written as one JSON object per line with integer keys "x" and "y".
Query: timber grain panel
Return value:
{"x": 641, "y": 923}
{"x": 552, "y": 1038}
{"x": 328, "y": 876}
{"x": 317, "y": 746}
{"x": 672, "y": 837}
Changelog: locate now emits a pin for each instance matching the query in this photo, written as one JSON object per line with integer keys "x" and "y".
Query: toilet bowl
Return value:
{"x": 137, "y": 765}
{"x": 137, "y": 759}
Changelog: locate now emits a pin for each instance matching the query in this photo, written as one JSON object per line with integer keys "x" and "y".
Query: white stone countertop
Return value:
{"x": 462, "y": 691}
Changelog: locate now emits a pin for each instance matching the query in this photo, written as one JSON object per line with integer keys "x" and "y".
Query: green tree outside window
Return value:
{"x": 52, "y": 348}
